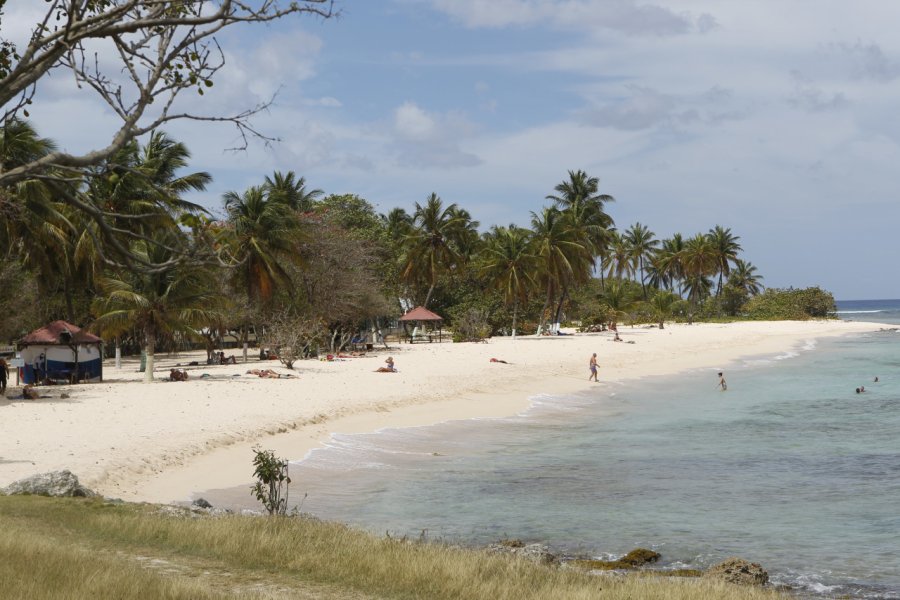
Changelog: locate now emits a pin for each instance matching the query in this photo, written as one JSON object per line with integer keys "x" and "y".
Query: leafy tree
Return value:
{"x": 163, "y": 48}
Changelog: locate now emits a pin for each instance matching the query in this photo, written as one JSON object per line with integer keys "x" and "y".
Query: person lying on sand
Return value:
{"x": 178, "y": 375}
{"x": 267, "y": 374}
{"x": 497, "y": 360}
{"x": 389, "y": 366}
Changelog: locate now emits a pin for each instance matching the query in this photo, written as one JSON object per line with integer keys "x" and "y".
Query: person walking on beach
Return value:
{"x": 593, "y": 367}
{"x": 722, "y": 383}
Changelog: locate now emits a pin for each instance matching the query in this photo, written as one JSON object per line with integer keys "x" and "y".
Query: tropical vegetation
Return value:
{"x": 162, "y": 271}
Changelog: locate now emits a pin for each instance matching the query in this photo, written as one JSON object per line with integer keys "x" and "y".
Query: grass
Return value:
{"x": 79, "y": 549}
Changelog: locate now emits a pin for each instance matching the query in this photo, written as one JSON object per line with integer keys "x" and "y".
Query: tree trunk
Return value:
{"x": 643, "y": 286}
{"x": 562, "y": 298}
{"x": 428, "y": 296}
{"x": 149, "y": 347}
{"x": 515, "y": 314}
{"x": 67, "y": 292}
{"x": 544, "y": 309}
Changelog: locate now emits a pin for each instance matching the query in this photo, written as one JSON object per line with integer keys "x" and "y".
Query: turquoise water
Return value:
{"x": 790, "y": 468}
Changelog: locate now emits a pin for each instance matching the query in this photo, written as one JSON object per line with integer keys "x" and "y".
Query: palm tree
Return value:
{"x": 398, "y": 224}
{"x": 286, "y": 188}
{"x": 432, "y": 247}
{"x": 727, "y": 249}
{"x": 508, "y": 262}
{"x": 619, "y": 298}
{"x": 578, "y": 197}
{"x": 699, "y": 261}
{"x": 266, "y": 233}
{"x": 745, "y": 278}
{"x": 564, "y": 254}
{"x": 159, "y": 305}
{"x": 621, "y": 258}
{"x": 642, "y": 243}
{"x": 666, "y": 261}
{"x": 661, "y": 305}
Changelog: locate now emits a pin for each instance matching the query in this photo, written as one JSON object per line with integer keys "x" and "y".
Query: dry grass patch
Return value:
{"x": 59, "y": 542}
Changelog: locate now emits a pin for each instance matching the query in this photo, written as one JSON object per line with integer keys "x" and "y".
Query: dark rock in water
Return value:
{"x": 739, "y": 571}
{"x": 533, "y": 552}
{"x": 639, "y": 557}
{"x": 634, "y": 559}
{"x": 201, "y": 503}
{"x": 56, "y": 483}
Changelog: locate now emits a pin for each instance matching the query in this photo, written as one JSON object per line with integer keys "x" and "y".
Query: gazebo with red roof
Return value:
{"x": 420, "y": 314}
{"x": 61, "y": 353}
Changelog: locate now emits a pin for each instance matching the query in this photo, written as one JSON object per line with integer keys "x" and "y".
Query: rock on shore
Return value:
{"x": 55, "y": 483}
{"x": 739, "y": 571}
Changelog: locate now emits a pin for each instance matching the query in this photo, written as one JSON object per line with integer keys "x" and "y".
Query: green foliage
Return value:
{"x": 800, "y": 304}
{"x": 470, "y": 324}
{"x": 272, "y": 481}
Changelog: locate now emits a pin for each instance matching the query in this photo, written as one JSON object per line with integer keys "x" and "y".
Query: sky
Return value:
{"x": 775, "y": 118}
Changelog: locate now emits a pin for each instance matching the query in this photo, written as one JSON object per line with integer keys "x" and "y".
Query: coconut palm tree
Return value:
{"x": 642, "y": 243}
{"x": 667, "y": 262}
{"x": 620, "y": 299}
{"x": 398, "y": 224}
{"x": 699, "y": 261}
{"x": 621, "y": 258}
{"x": 265, "y": 234}
{"x": 580, "y": 199}
{"x": 727, "y": 248}
{"x": 433, "y": 245}
{"x": 508, "y": 263}
{"x": 286, "y": 188}
{"x": 177, "y": 300}
{"x": 662, "y": 305}
{"x": 744, "y": 277}
{"x": 564, "y": 254}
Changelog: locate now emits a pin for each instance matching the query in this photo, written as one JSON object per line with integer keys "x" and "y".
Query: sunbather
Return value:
{"x": 389, "y": 368}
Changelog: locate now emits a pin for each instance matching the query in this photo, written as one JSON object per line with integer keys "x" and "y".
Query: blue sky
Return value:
{"x": 775, "y": 118}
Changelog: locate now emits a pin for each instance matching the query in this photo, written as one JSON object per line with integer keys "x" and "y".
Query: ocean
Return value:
{"x": 790, "y": 468}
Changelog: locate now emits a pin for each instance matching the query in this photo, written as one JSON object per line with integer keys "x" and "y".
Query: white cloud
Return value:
{"x": 426, "y": 139}
{"x": 628, "y": 17}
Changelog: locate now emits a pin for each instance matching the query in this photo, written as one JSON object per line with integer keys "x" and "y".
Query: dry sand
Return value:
{"x": 164, "y": 441}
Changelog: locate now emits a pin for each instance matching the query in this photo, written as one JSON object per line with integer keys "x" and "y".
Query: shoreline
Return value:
{"x": 165, "y": 442}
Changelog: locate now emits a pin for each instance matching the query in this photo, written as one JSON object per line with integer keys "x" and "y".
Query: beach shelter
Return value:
{"x": 420, "y": 314}
{"x": 60, "y": 352}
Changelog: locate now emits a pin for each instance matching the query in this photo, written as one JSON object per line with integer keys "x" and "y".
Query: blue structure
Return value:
{"x": 61, "y": 353}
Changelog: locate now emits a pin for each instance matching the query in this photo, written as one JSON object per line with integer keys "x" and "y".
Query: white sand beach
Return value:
{"x": 164, "y": 441}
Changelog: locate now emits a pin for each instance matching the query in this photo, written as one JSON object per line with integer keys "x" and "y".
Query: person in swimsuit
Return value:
{"x": 593, "y": 367}
{"x": 722, "y": 383}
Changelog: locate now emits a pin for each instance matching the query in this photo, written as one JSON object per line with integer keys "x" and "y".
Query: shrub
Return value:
{"x": 780, "y": 304}
{"x": 272, "y": 481}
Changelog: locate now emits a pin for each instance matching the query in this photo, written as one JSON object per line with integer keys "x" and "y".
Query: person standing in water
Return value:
{"x": 722, "y": 383}
{"x": 593, "y": 367}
